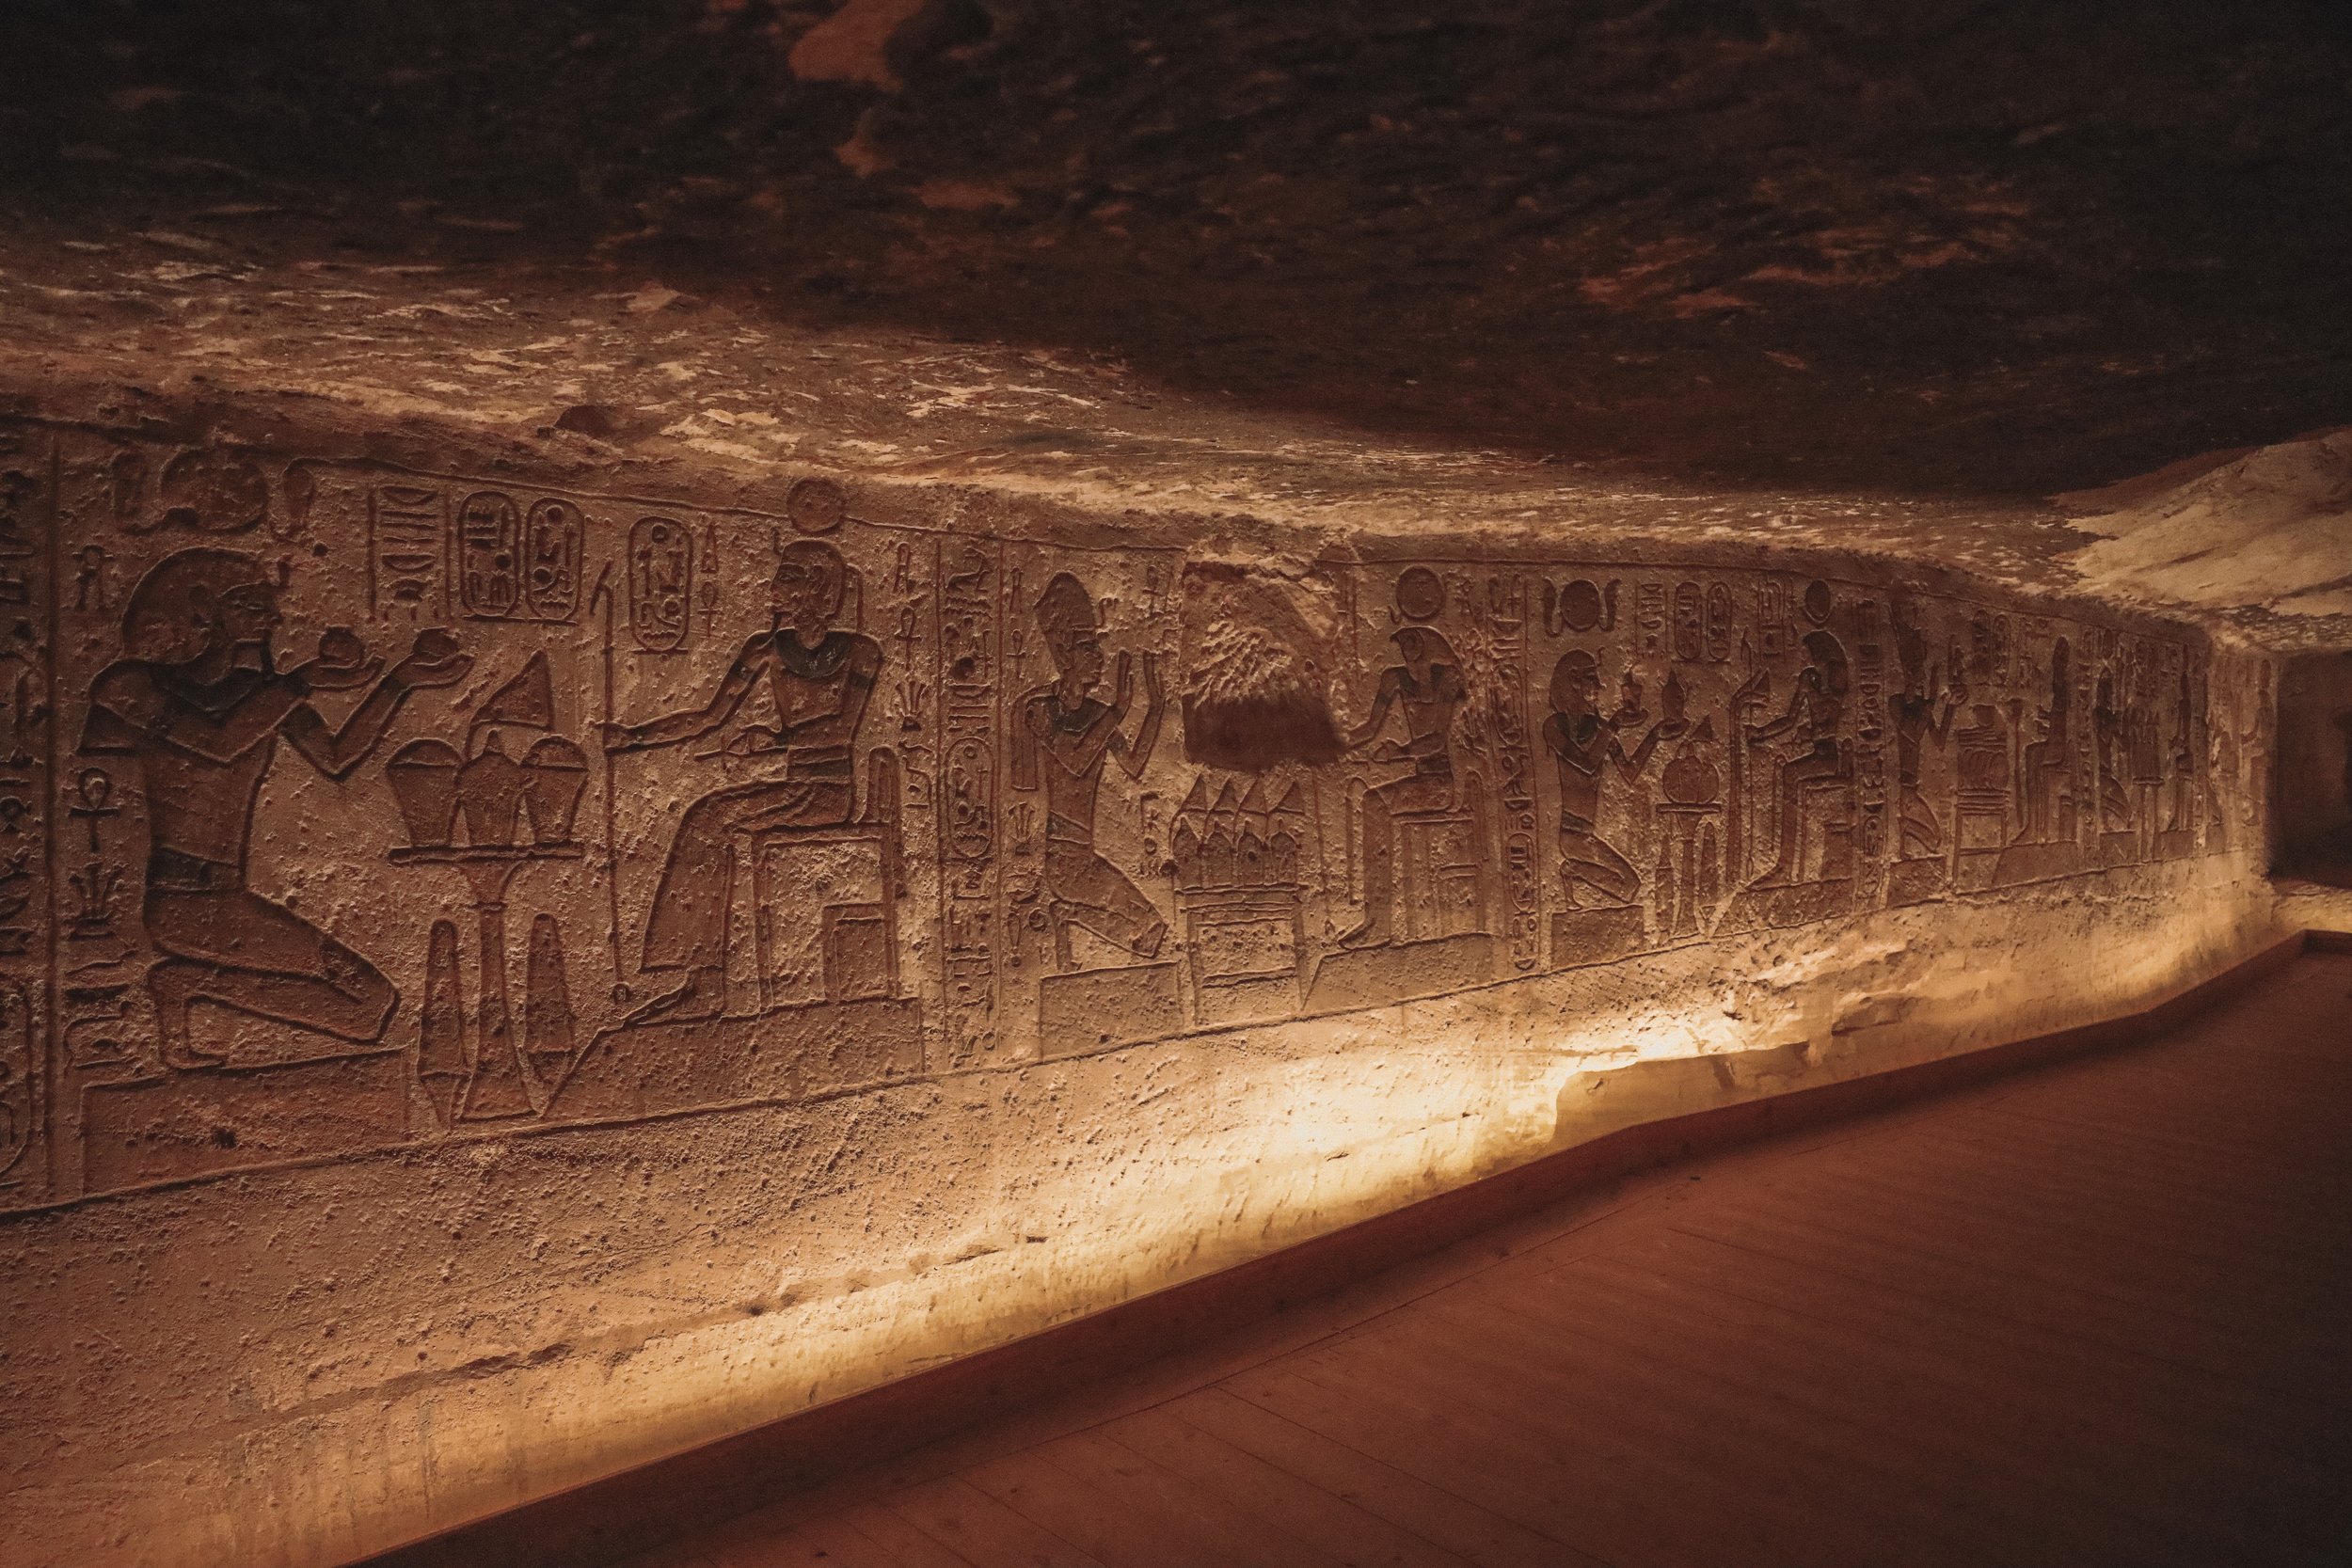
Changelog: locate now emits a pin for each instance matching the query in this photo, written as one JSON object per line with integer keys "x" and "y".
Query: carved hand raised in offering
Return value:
{"x": 434, "y": 661}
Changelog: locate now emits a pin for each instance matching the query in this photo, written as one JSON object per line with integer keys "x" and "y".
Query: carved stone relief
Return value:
{"x": 342, "y": 808}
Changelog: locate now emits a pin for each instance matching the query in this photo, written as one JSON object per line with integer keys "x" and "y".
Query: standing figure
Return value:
{"x": 818, "y": 678}
{"x": 200, "y": 704}
{"x": 1426, "y": 688}
{"x": 1076, "y": 732}
{"x": 2050, "y": 756}
{"x": 1816, "y": 717}
{"x": 2222, "y": 772}
{"x": 2107, "y": 724}
{"x": 2187, "y": 752}
{"x": 1923, "y": 710}
{"x": 1581, "y": 739}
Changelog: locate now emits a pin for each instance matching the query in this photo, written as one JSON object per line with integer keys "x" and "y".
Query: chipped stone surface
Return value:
{"x": 594, "y": 950}
{"x": 935, "y": 664}
{"x": 2265, "y": 533}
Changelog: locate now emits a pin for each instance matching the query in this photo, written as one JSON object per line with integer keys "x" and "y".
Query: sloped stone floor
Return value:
{"x": 2087, "y": 1316}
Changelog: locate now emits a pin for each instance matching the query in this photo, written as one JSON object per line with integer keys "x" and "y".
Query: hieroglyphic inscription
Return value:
{"x": 32, "y": 848}
{"x": 405, "y": 562}
{"x": 660, "y": 583}
{"x": 1506, "y": 608}
{"x": 967, "y": 636}
{"x": 623, "y": 808}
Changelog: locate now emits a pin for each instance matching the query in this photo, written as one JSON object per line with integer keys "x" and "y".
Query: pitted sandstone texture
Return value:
{"x": 703, "y": 701}
{"x": 611, "y": 964}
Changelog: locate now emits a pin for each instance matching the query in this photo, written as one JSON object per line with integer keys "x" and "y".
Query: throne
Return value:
{"x": 824, "y": 898}
{"x": 1442, "y": 856}
{"x": 1826, "y": 825}
{"x": 825, "y": 901}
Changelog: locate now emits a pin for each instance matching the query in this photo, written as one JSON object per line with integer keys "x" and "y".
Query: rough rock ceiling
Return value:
{"x": 1883, "y": 274}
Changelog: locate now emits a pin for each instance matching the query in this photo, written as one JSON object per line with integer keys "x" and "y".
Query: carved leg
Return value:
{"x": 703, "y": 996}
{"x": 172, "y": 984}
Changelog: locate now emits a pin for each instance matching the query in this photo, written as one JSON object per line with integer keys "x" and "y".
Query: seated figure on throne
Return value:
{"x": 1816, "y": 716}
{"x": 1923, "y": 710}
{"x": 819, "y": 678}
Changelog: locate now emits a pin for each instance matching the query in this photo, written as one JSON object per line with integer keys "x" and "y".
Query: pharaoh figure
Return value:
{"x": 1816, "y": 718}
{"x": 1582, "y": 740}
{"x": 1427, "y": 688}
{"x": 200, "y": 703}
{"x": 1075, "y": 732}
{"x": 2050, "y": 754}
{"x": 2143, "y": 746}
{"x": 2221, "y": 774}
{"x": 818, "y": 678}
{"x": 1922, "y": 711}
{"x": 2187, "y": 754}
{"x": 2108, "y": 723}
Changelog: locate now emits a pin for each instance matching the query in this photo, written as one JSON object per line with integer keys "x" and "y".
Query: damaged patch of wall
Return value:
{"x": 502, "y": 979}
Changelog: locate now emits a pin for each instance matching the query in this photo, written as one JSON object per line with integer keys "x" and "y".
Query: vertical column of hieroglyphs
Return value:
{"x": 911, "y": 678}
{"x": 1515, "y": 767}
{"x": 1870, "y": 713}
{"x": 33, "y": 853}
{"x": 966, "y": 571}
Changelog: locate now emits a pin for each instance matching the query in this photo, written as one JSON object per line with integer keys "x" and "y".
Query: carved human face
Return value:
{"x": 1080, "y": 660}
{"x": 803, "y": 594}
{"x": 1417, "y": 647}
{"x": 1575, "y": 687}
{"x": 247, "y": 615}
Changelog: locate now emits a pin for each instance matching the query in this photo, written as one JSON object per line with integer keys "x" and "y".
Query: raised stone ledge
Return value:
{"x": 597, "y": 951}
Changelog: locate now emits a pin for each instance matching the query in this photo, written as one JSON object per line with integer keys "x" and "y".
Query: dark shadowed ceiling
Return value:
{"x": 1983, "y": 247}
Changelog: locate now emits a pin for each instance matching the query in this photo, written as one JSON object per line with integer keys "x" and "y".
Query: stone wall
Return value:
{"x": 2312, "y": 804}
{"x": 502, "y": 977}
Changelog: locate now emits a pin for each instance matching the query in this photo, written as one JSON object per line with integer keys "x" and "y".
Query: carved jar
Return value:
{"x": 491, "y": 789}
{"x": 555, "y": 775}
{"x": 423, "y": 776}
{"x": 1691, "y": 780}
